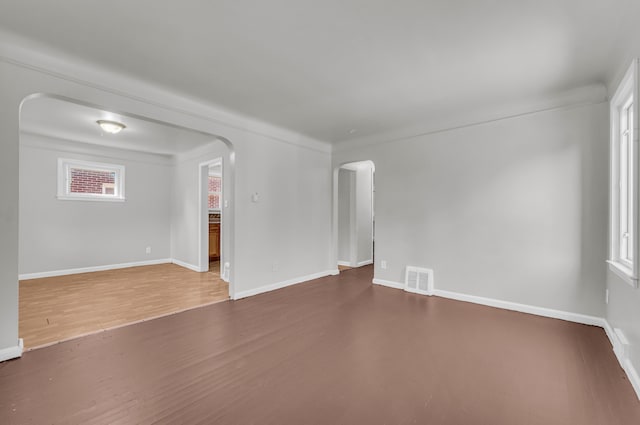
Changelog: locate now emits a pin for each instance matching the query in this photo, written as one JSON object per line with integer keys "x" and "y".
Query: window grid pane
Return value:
{"x": 623, "y": 196}
{"x": 626, "y": 187}
{"x": 215, "y": 184}
{"x": 215, "y": 192}
{"x": 97, "y": 182}
{"x": 214, "y": 201}
{"x": 630, "y": 186}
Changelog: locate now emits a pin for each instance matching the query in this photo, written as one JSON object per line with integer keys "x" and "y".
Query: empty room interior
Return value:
{"x": 336, "y": 212}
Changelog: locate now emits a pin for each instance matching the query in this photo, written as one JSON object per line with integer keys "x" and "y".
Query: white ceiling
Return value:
{"x": 70, "y": 121}
{"x": 325, "y": 68}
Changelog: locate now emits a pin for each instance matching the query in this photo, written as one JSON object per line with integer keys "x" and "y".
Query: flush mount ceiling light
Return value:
{"x": 112, "y": 127}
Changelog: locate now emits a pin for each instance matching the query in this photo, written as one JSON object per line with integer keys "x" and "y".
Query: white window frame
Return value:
{"x": 64, "y": 180}
{"x": 623, "y": 190}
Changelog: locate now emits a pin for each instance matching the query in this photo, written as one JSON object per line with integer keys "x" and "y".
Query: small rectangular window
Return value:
{"x": 623, "y": 246}
{"x": 92, "y": 181}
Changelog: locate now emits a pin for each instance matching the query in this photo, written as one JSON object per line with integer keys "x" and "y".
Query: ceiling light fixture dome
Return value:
{"x": 112, "y": 127}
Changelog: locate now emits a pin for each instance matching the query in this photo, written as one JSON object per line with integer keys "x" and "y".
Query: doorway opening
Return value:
{"x": 212, "y": 218}
{"x": 355, "y": 214}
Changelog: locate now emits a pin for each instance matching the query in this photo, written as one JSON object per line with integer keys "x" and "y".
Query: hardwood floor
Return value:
{"x": 58, "y": 308}
{"x": 336, "y": 350}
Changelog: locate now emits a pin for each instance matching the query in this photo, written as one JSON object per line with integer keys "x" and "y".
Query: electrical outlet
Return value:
{"x": 606, "y": 296}
{"x": 274, "y": 266}
{"x": 148, "y": 250}
{"x": 383, "y": 264}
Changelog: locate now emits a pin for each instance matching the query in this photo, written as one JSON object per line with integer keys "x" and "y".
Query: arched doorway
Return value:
{"x": 94, "y": 246}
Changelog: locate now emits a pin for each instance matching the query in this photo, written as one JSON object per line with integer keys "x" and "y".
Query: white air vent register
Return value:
{"x": 418, "y": 280}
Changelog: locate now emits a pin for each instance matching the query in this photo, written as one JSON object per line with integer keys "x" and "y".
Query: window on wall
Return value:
{"x": 623, "y": 246}
{"x": 215, "y": 192}
{"x": 90, "y": 181}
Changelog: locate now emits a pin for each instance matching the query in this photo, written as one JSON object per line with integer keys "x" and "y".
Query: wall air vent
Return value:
{"x": 418, "y": 280}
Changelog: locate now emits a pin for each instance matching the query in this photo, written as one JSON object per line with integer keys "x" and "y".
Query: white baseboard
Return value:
{"x": 618, "y": 346}
{"x": 620, "y": 349}
{"x": 613, "y": 339}
{"x": 335, "y": 272}
{"x": 633, "y": 376}
{"x": 507, "y": 305}
{"x": 523, "y": 308}
{"x": 279, "y": 285}
{"x": 186, "y": 265}
{"x": 12, "y": 352}
{"x": 388, "y": 283}
{"x": 350, "y": 264}
{"x": 39, "y": 275}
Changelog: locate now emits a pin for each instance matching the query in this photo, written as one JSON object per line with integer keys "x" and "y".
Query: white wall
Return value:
{"x": 161, "y": 209}
{"x": 287, "y": 233}
{"x": 514, "y": 209}
{"x": 9, "y": 117}
{"x": 186, "y": 229}
{"x": 364, "y": 213}
{"x": 346, "y": 188}
{"x": 61, "y": 234}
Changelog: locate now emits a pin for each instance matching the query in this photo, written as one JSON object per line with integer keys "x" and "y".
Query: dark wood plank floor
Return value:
{"x": 333, "y": 351}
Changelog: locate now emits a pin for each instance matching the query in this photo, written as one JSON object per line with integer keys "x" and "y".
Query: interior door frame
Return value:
{"x": 203, "y": 219}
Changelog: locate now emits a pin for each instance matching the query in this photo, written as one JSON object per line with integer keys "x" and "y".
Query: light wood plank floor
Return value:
{"x": 59, "y": 308}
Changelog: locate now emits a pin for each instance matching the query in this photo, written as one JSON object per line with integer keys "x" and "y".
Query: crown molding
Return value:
{"x": 577, "y": 97}
{"x": 35, "y": 140}
{"x": 198, "y": 152}
{"x": 27, "y": 54}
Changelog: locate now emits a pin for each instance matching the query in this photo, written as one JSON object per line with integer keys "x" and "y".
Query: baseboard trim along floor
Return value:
{"x": 283, "y": 284}
{"x": 12, "y": 352}
{"x": 616, "y": 343}
{"x": 54, "y": 273}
